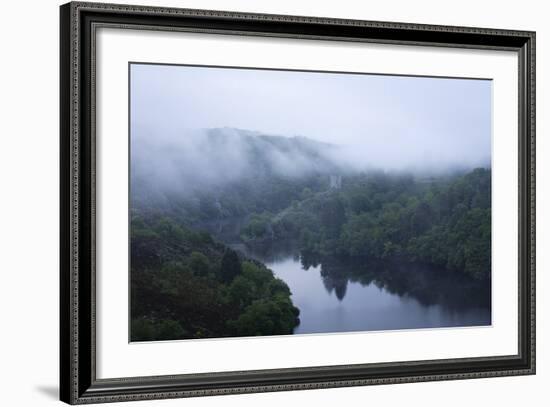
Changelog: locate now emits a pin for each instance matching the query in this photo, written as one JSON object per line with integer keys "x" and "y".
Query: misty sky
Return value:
{"x": 391, "y": 121}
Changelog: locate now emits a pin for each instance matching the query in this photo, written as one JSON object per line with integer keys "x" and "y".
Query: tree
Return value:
{"x": 199, "y": 264}
{"x": 230, "y": 266}
{"x": 194, "y": 285}
{"x": 267, "y": 317}
{"x": 421, "y": 219}
{"x": 333, "y": 216}
{"x": 149, "y": 330}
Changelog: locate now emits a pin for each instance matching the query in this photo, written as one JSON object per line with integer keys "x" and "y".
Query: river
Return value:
{"x": 337, "y": 296}
{"x": 334, "y": 296}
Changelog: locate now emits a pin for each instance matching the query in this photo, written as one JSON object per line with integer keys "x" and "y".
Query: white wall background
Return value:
{"x": 29, "y": 163}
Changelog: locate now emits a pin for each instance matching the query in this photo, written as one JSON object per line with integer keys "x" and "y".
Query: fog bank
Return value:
{"x": 210, "y": 126}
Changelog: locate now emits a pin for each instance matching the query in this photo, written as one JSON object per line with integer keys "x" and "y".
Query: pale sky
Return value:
{"x": 392, "y": 119}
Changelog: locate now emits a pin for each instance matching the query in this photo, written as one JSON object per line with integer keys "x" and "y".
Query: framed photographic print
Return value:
{"x": 257, "y": 203}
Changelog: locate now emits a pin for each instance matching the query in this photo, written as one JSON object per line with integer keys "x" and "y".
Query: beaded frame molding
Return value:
{"x": 78, "y": 381}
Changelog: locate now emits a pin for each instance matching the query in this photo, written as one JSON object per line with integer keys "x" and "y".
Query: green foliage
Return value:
{"x": 148, "y": 330}
{"x": 266, "y": 317}
{"x": 444, "y": 221}
{"x": 333, "y": 215}
{"x": 186, "y": 285}
{"x": 199, "y": 263}
{"x": 231, "y": 265}
{"x": 258, "y": 227}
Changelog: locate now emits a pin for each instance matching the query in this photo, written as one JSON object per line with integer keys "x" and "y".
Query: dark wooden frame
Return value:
{"x": 78, "y": 382}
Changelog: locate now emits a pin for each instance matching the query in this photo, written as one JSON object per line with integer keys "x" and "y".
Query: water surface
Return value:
{"x": 339, "y": 297}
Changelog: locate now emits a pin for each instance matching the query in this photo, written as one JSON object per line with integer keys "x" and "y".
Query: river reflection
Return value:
{"x": 338, "y": 296}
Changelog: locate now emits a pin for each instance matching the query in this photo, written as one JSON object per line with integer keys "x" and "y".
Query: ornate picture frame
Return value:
{"x": 79, "y": 382}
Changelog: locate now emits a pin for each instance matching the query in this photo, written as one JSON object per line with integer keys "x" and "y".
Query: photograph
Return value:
{"x": 294, "y": 198}
{"x": 267, "y": 202}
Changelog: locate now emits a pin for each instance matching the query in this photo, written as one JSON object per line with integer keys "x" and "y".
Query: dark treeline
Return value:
{"x": 442, "y": 221}
{"x": 357, "y": 223}
{"x": 186, "y": 285}
{"x": 255, "y": 194}
{"x": 454, "y": 291}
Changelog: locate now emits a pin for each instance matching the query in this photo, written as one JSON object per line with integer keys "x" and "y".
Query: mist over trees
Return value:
{"x": 203, "y": 159}
{"x": 350, "y": 170}
{"x": 185, "y": 284}
{"x": 195, "y": 163}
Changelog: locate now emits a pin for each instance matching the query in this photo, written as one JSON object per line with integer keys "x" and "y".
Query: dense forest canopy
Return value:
{"x": 445, "y": 222}
{"x": 188, "y": 283}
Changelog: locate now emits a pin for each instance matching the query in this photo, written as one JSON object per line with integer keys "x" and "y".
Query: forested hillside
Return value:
{"x": 228, "y": 187}
{"x": 186, "y": 285}
{"x": 442, "y": 221}
{"x": 193, "y": 172}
